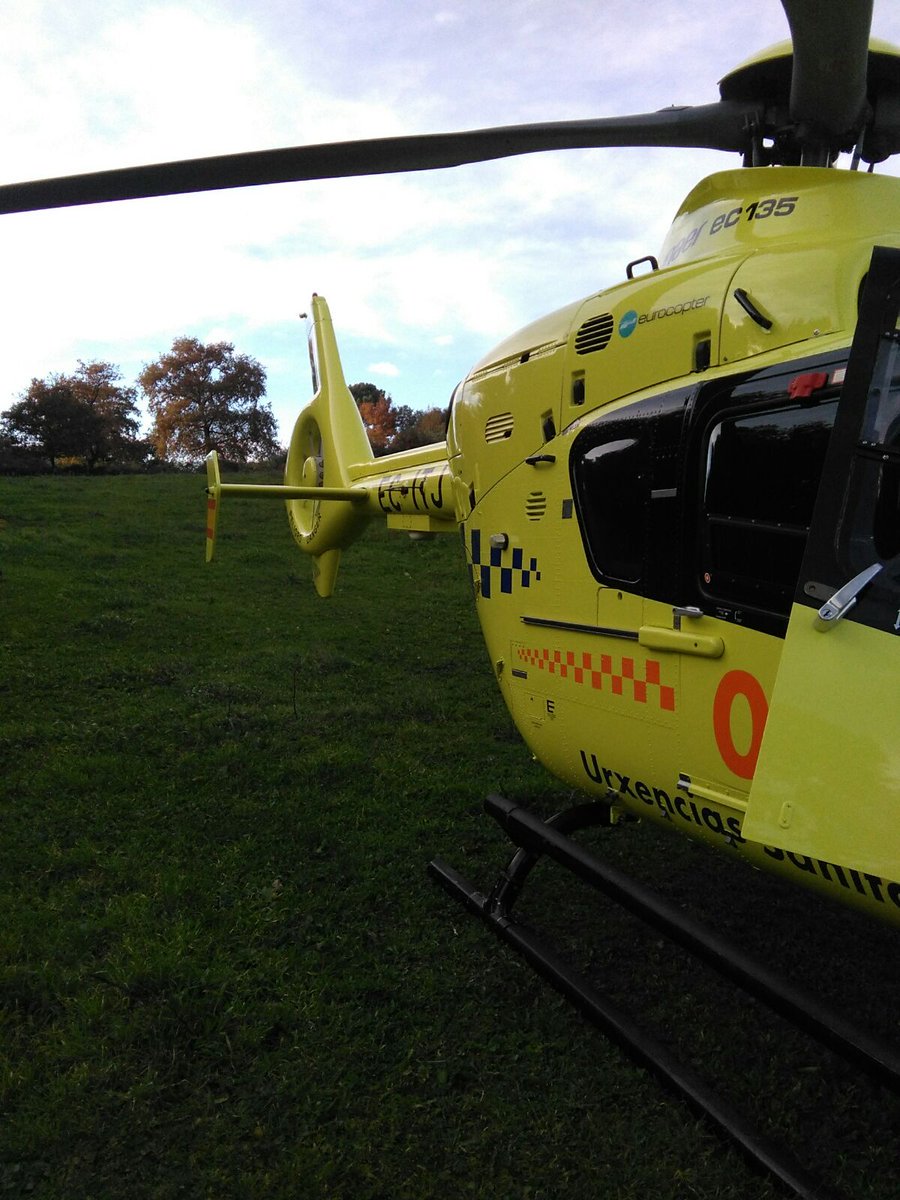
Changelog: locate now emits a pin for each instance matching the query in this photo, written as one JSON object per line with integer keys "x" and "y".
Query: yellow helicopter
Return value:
{"x": 678, "y": 625}
{"x": 678, "y": 498}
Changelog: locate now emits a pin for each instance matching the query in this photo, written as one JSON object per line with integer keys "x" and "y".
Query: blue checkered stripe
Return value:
{"x": 492, "y": 573}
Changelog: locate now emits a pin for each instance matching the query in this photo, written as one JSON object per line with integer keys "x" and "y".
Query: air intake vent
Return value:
{"x": 499, "y": 427}
{"x": 594, "y": 334}
{"x": 535, "y": 506}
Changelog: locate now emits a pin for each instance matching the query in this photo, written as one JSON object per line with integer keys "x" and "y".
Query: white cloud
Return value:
{"x": 419, "y": 270}
{"x": 388, "y": 369}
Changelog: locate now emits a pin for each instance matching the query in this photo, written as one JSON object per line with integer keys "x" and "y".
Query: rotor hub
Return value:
{"x": 790, "y": 130}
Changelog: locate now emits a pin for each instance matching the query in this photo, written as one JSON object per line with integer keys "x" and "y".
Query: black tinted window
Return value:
{"x": 762, "y": 473}
{"x": 626, "y": 468}
{"x": 613, "y": 488}
{"x": 875, "y": 473}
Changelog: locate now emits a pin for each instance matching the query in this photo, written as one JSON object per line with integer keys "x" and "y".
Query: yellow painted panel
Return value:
{"x": 828, "y": 780}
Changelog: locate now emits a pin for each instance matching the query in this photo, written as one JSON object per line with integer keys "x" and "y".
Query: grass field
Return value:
{"x": 223, "y": 971}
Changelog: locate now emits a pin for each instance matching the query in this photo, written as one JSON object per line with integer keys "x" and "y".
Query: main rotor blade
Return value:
{"x": 831, "y": 50}
{"x": 719, "y": 126}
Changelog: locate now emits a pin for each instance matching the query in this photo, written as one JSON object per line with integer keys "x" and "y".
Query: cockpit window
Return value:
{"x": 613, "y": 489}
{"x": 762, "y": 472}
{"x": 625, "y": 469}
{"x": 874, "y": 486}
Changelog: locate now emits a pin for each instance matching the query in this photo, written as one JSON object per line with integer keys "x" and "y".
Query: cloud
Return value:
{"x": 384, "y": 368}
{"x": 423, "y": 271}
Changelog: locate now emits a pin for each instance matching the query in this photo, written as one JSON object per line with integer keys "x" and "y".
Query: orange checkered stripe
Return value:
{"x": 597, "y": 671}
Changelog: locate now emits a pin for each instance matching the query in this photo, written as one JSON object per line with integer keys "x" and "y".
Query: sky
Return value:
{"x": 423, "y": 272}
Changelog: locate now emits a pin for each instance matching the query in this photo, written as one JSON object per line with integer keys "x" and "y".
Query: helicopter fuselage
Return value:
{"x": 635, "y": 478}
{"x": 679, "y": 500}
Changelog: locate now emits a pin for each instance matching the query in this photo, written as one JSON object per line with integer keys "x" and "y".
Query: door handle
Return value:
{"x": 844, "y": 599}
{"x": 679, "y": 640}
{"x": 679, "y": 611}
{"x": 657, "y": 637}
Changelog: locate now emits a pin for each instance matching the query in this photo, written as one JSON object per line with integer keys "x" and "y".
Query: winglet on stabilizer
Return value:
{"x": 213, "y": 498}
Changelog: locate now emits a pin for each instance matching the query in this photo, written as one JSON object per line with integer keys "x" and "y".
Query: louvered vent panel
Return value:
{"x": 594, "y": 334}
{"x": 499, "y": 427}
{"x": 535, "y": 506}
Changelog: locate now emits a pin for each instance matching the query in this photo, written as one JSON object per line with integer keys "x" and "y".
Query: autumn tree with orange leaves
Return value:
{"x": 206, "y": 397}
{"x": 395, "y": 427}
{"x": 376, "y": 409}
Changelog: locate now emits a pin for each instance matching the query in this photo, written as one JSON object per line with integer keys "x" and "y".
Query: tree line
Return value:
{"x": 392, "y": 427}
{"x": 200, "y": 397}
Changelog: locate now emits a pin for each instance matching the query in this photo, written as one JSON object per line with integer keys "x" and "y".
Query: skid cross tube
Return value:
{"x": 538, "y": 837}
{"x": 641, "y": 1047}
{"x": 535, "y": 838}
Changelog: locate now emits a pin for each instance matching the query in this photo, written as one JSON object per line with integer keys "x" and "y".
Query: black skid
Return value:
{"x": 535, "y": 838}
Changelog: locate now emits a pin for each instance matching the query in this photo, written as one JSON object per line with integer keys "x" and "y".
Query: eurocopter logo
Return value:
{"x": 629, "y": 321}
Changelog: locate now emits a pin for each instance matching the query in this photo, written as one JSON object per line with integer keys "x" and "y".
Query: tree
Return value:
{"x": 47, "y": 419}
{"x": 111, "y": 416}
{"x": 392, "y": 426}
{"x": 416, "y": 428}
{"x": 208, "y": 398}
{"x": 87, "y": 416}
{"x": 376, "y": 409}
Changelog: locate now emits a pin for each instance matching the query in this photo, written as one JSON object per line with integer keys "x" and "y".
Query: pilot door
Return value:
{"x": 827, "y": 784}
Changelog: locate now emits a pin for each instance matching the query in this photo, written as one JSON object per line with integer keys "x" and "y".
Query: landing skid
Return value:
{"x": 536, "y": 838}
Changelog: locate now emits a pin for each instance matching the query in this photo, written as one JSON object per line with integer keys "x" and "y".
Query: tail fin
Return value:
{"x": 333, "y": 484}
{"x": 328, "y": 438}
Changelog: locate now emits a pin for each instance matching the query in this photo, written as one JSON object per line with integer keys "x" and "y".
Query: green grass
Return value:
{"x": 223, "y": 971}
